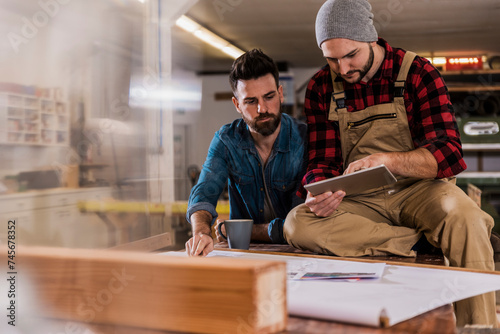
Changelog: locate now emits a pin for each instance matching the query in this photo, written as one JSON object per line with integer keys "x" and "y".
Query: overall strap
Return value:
{"x": 338, "y": 95}
{"x": 399, "y": 85}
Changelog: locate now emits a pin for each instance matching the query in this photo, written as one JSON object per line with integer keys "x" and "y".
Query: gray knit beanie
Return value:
{"x": 350, "y": 19}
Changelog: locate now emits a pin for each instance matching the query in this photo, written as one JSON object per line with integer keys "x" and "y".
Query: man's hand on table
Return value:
{"x": 200, "y": 245}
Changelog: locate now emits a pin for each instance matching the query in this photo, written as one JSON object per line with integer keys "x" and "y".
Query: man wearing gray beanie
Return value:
{"x": 373, "y": 105}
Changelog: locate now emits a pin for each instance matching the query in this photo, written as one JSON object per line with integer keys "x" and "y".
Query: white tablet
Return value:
{"x": 354, "y": 183}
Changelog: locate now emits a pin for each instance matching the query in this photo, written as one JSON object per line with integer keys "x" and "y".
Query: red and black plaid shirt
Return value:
{"x": 430, "y": 114}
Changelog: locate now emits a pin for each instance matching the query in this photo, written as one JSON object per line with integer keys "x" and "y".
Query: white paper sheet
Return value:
{"x": 401, "y": 293}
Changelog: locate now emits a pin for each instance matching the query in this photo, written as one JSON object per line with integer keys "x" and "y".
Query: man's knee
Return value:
{"x": 292, "y": 225}
{"x": 473, "y": 222}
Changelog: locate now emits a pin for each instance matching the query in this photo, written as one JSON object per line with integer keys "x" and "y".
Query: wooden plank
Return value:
{"x": 202, "y": 295}
{"x": 147, "y": 244}
{"x": 474, "y": 193}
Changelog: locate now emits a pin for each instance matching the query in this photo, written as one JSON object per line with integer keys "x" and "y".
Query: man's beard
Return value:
{"x": 264, "y": 128}
{"x": 366, "y": 68}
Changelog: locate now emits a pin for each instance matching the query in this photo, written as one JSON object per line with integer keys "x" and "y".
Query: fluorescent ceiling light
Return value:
{"x": 187, "y": 24}
{"x": 211, "y": 39}
{"x": 232, "y": 51}
{"x": 208, "y": 37}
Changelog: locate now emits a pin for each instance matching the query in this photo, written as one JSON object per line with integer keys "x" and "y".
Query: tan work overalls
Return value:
{"x": 390, "y": 220}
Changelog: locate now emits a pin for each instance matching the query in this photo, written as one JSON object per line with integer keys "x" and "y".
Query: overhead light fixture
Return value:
{"x": 208, "y": 37}
{"x": 457, "y": 63}
{"x": 464, "y": 63}
{"x": 439, "y": 60}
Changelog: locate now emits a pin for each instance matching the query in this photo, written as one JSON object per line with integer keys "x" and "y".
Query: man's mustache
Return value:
{"x": 352, "y": 72}
{"x": 266, "y": 115}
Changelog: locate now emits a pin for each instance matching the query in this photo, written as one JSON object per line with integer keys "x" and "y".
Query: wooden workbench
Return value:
{"x": 421, "y": 259}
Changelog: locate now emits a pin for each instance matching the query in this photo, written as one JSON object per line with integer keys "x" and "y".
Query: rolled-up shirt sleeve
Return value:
{"x": 212, "y": 180}
{"x": 434, "y": 126}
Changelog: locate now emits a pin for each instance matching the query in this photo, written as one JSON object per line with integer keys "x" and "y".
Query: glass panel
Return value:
{"x": 86, "y": 134}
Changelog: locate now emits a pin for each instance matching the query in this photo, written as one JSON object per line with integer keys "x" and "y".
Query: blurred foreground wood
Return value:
{"x": 158, "y": 292}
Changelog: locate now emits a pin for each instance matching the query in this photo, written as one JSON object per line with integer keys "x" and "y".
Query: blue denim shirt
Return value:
{"x": 233, "y": 158}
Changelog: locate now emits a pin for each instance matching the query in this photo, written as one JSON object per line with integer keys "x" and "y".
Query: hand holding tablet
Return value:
{"x": 354, "y": 183}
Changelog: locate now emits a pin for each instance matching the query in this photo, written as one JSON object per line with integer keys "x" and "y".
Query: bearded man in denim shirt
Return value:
{"x": 261, "y": 157}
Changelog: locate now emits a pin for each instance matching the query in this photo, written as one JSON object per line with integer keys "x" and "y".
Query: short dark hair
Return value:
{"x": 252, "y": 64}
